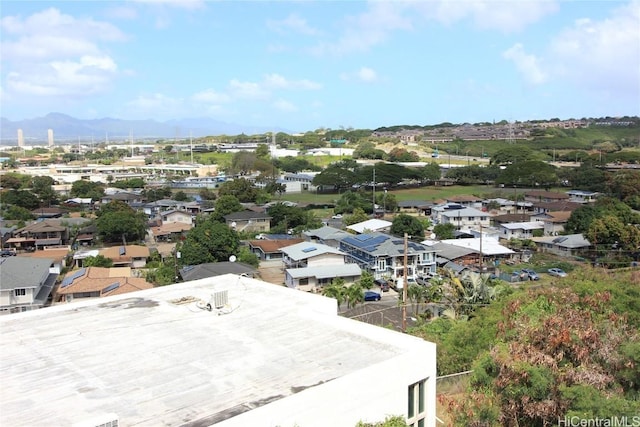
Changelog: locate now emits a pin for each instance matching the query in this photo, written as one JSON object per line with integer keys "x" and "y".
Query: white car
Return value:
{"x": 557, "y": 272}
{"x": 337, "y": 216}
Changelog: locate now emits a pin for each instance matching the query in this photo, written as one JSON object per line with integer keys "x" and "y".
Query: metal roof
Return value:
{"x": 23, "y": 272}
{"x": 303, "y": 250}
{"x": 325, "y": 271}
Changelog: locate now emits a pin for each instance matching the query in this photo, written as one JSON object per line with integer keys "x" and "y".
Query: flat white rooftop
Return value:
{"x": 155, "y": 357}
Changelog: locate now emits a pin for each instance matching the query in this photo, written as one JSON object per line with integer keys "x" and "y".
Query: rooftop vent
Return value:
{"x": 218, "y": 300}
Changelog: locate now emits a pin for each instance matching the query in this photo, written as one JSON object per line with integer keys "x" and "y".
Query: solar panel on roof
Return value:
{"x": 111, "y": 287}
{"x": 363, "y": 237}
{"x": 309, "y": 249}
{"x": 69, "y": 279}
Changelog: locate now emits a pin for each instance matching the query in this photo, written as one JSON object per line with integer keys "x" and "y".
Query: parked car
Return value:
{"x": 557, "y": 272}
{"x": 532, "y": 275}
{"x": 424, "y": 281}
{"x": 371, "y": 296}
{"x": 337, "y": 216}
{"x": 383, "y": 284}
{"x": 6, "y": 253}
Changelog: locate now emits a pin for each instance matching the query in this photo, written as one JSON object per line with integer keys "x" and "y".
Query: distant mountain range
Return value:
{"x": 66, "y": 127}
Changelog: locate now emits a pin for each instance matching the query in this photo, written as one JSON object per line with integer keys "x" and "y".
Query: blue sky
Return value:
{"x": 302, "y": 65}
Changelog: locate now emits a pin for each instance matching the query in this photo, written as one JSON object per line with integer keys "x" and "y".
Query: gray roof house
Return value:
{"x": 383, "y": 256}
{"x": 307, "y": 254}
{"x": 311, "y": 278}
{"x": 249, "y": 221}
{"x": 567, "y": 245}
{"x": 25, "y": 283}
{"x": 212, "y": 269}
{"x": 326, "y": 235}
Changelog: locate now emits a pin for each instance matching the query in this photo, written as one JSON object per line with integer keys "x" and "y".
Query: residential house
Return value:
{"x": 304, "y": 182}
{"x": 134, "y": 256}
{"x": 312, "y": 279}
{"x": 170, "y": 232}
{"x": 249, "y": 222}
{"x": 58, "y": 257}
{"x": 521, "y": 230}
{"x": 569, "y": 245}
{"x": 98, "y": 282}
{"x": 213, "y": 269}
{"x": 269, "y": 356}
{"x": 47, "y": 213}
{"x": 305, "y": 254}
{"x": 131, "y": 199}
{"x": 446, "y": 253}
{"x": 544, "y": 207}
{"x": 175, "y": 215}
{"x": 39, "y": 234}
{"x": 466, "y": 200}
{"x": 268, "y": 250}
{"x": 25, "y": 284}
{"x": 491, "y": 251}
{"x": 326, "y": 235}
{"x": 580, "y": 196}
{"x": 87, "y": 235}
{"x": 505, "y": 205}
{"x": 415, "y": 206}
{"x": 544, "y": 196}
{"x": 465, "y": 218}
{"x": 554, "y": 222}
{"x": 371, "y": 225}
{"x": 498, "y": 220}
{"x": 383, "y": 256}
{"x": 5, "y": 234}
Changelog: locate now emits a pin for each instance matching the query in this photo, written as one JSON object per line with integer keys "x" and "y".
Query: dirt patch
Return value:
{"x": 272, "y": 272}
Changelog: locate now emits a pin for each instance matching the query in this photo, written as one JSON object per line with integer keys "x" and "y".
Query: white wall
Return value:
{"x": 325, "y": 259}
{"x": 369, "y": 395}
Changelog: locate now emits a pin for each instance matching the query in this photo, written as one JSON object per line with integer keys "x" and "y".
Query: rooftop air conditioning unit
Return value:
{"x": 218, "y": 300}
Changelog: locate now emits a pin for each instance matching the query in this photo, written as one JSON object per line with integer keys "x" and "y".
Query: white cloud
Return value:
{"x": 367, "y": 29}
{"x": 284, "y": 105}
{"x": 121, "y": 12}
{"x": 247, "y": 90}
{"x": 363, "y": 75}
{"x": 181, "y": 4}
{"x": 506, "y": 16}
{"x": 276, "y": 81}
{"x": 528, "y": 65}
{"x": 156, "y": 105}
{"x": 601, "y": 54}
{"x": 292, "y": 23}
{"x": 210, "y": 96}
{"x": 50, "y": 53}
{"x": 598, "y": 55}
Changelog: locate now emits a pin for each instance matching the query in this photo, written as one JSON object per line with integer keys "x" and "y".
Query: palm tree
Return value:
{"x": 336, "y": 290}
{"x": 354, "y": 294}
{"x": 416, "y": 294}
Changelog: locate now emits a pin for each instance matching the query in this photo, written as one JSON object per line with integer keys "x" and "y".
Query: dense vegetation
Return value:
{"x": 571, "y": 348}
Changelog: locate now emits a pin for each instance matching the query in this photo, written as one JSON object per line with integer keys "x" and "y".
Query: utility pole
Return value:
{"x": 374, "y": 191}
{"x": 406, "y": 283}
{"x": 480, "y": 248}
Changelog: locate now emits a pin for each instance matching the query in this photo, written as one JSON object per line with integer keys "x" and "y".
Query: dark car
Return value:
{"x": 383, "y": 284}
{"x": 6, "y": 253}
{"x": 371, "y": 296}
{"x": 532, "y": 275}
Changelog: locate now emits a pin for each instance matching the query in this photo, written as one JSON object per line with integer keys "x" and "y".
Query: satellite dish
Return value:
{"x": 232, "y": 258}
{"x": 432, "y": 236}
{"x": 233, "y": 224}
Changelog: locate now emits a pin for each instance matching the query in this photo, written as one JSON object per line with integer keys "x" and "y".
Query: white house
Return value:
{"x": 370, "y": 226}
{"x": 465, "y": 218}
{"x": 259, "y": 355}
{"x": 180, "y": 216}
{"x": 312, "y": 278}
{"x": 520, "y": 230}
{"x": 25, "y": 284}
{"x": 306, "y": 254}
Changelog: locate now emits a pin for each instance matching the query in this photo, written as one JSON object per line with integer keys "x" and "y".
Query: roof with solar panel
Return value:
{"x": 383, "y": 244}
{"x": 105, "y": 281}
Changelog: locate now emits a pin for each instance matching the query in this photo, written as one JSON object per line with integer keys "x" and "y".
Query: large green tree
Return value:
{"x": 336, "y": 178}
{"x": 241, "y": 188}
{"x": 408, "y": 224}
{"x": 117, "y": 221}
{"x": 226, "y": 205}
{"x": 208, "y": 241}
{"x": 89, "y": 189}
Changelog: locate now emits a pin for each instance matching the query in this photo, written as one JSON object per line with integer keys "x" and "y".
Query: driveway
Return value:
{"x": 272, "y": 271}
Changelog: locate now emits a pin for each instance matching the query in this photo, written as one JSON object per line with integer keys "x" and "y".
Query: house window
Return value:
{"x": 20, "y": 292}
{"x": 382, "y": 264}
{"x": 416, "y": 413}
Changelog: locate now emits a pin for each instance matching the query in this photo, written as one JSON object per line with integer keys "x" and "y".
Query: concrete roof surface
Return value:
{"x": 154, "y": 357}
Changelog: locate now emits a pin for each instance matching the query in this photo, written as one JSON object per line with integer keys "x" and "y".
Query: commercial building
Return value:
{"x": 261, "y": 355}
